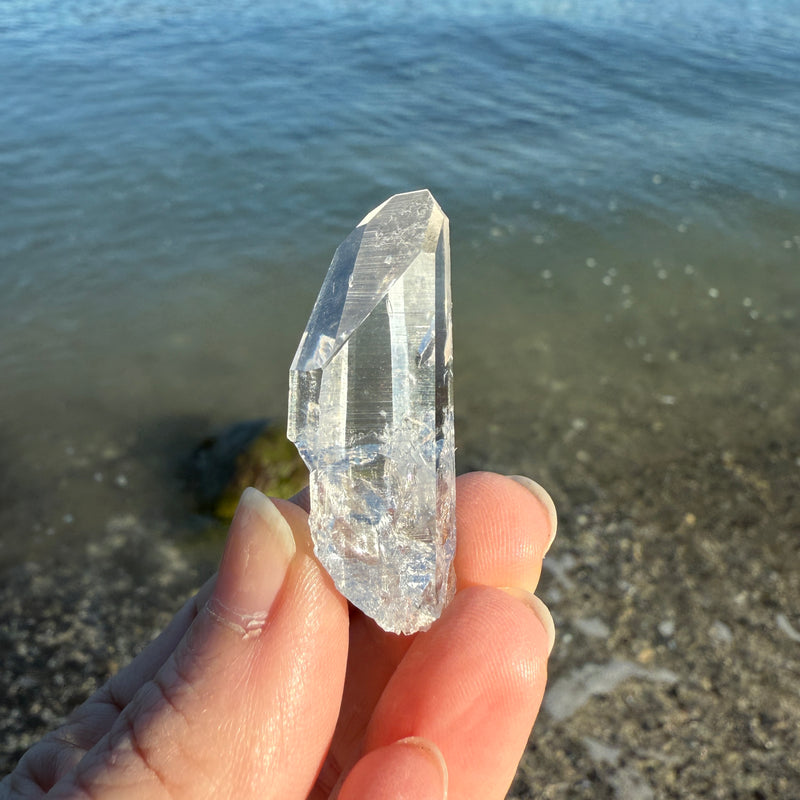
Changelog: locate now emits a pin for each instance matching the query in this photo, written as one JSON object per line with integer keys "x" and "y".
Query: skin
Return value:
{"x": 266, "y": 685}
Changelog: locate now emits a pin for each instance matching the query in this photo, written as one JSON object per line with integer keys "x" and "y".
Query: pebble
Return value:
{"x": 594, "y": 627}
{"x": 720, "y": 632}
{"x": 599, "y": 751}
{"x": 786, "y": 627}
{"x": 569, "y": 693}
{"x": 666, "y": 628}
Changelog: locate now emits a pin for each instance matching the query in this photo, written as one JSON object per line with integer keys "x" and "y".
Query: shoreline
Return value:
{"x": 670, "y": 584}
{"x": 662, "y": 419}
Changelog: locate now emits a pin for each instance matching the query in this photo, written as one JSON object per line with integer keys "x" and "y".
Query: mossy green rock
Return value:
{"x": 255, "y": 453}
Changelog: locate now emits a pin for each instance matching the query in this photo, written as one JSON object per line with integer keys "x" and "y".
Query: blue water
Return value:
{"x": 174, "y": 177}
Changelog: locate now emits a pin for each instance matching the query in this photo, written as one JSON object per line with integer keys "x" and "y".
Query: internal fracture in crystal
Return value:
{"x": 371, "y": 413}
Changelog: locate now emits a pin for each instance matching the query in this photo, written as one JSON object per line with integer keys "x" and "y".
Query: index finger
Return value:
{"x": 504, "y": 527}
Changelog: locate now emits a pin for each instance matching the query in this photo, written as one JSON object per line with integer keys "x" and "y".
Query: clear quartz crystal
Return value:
{"x": 371, "y": 413}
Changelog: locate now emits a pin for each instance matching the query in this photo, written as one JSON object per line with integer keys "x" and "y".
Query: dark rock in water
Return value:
{"x": 254, "y": 453}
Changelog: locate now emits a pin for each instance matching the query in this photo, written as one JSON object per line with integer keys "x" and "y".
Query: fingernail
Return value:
{"x": 538, "y": 608}
{"x": 540, "y": 493}
{"x": 433, "y": 753}
{"x": 257, "y": 554}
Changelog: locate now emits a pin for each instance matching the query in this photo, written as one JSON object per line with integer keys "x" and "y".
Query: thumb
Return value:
{"x": 246, "y": 704}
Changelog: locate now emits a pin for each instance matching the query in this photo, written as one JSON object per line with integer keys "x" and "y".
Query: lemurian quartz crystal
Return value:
{"x": 371, "y": 413}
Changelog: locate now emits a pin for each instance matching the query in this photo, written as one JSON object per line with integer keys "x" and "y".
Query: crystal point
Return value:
{"x": 371, "y": 413}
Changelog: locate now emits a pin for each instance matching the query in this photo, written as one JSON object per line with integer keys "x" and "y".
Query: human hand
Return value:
{"x": 264, "y": 685}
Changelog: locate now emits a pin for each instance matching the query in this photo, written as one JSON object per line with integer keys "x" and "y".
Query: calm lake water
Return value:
{"x": 622, "y": 181}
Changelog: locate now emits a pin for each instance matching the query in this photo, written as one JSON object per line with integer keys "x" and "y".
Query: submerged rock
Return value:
{"x": 254, "y": 453}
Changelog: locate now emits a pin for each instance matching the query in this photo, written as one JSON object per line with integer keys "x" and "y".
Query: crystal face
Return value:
{"x": 371, "y": 413}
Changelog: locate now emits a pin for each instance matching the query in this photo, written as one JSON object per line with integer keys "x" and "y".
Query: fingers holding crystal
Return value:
{"x": 472, "y": 684}
{"x": 504, "y": 529}
{"x": 264, "y": 660}
{"x": 505, "y": 526}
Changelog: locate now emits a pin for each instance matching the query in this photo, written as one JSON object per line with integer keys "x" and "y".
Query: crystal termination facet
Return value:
{"x": 371, "y": 413}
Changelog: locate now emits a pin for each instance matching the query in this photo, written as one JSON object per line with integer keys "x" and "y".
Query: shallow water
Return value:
{"x": 623, "y": 192}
